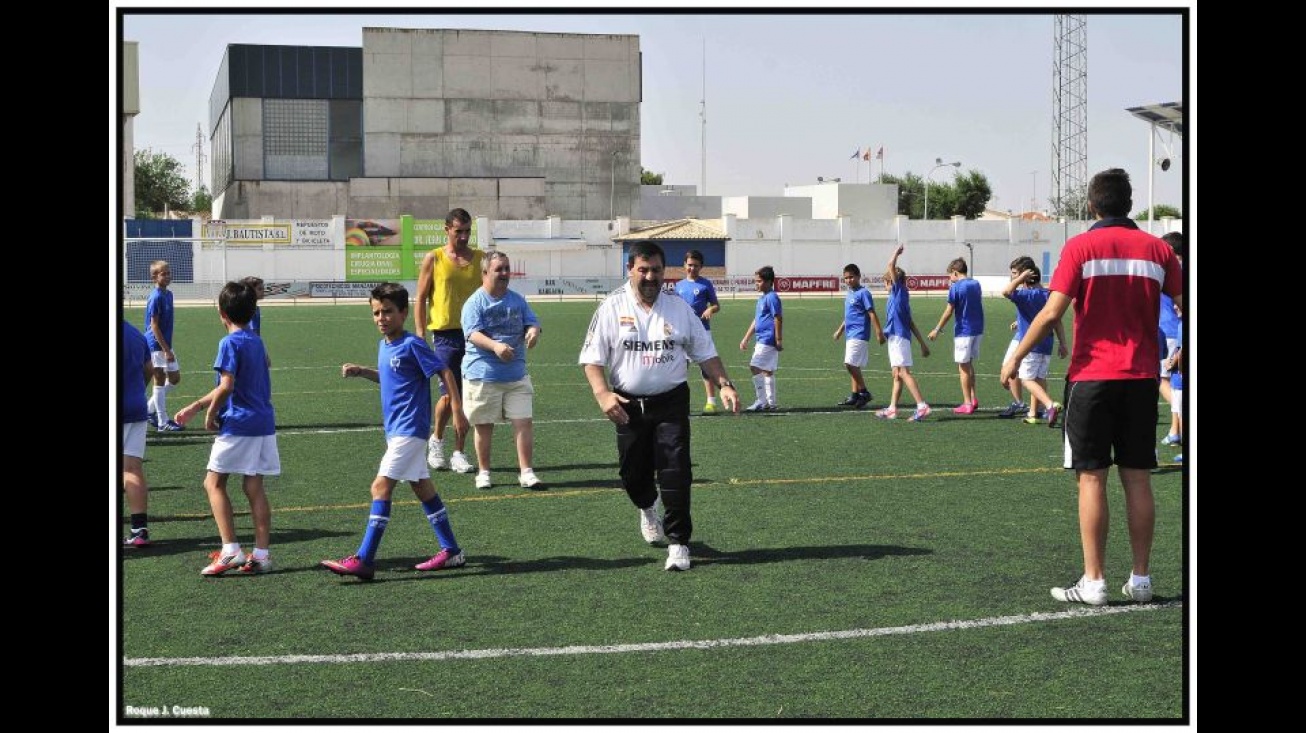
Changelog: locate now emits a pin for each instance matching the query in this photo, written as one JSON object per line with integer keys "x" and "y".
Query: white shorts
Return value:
{"x": 247, "y": 455}
{"x": 404, "y": 459}
{"x": 1170, "y": 346}
{"x": 133, "y": 438}
{"x": 1011, "y": 350}
{"x": 1034, "y": 366}
{"x": 856, "y": 352}
{"x": 491, "y": 402}
{"x": 765, "y": 357}
{"x": 160, "y": 362}
{"x": 965, "y": 349}
{"x": 1176, "y": 401}
{"x": 899, "y": 350}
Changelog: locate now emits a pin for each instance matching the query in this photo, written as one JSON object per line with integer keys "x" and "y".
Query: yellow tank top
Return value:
{"x": 452, "y": 286}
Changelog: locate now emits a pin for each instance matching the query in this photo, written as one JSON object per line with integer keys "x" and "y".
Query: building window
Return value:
{"x": 295, "y": 139}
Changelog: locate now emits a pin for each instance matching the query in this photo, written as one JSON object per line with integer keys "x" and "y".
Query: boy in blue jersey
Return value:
{"x": 699, "y": 292}
{"x": 240, "y": 410}
{"x": 406, "y": 364}
{"x": 858, "y": 316}
{"x": 768, "y": 326}
{"x": 1170, "y": 328}
{"x": 1027, "y": 292}
{"x": 1017, "y": 406}
{"x": 966, "y": 299}
{"x": 158, "y": 334}
{"x": 135, "y": 370}
{"x": 500, "y": 326}
{"x": 899, "y": 328}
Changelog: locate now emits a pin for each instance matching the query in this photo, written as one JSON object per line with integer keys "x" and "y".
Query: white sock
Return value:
{"x": 769, "y": 381}
{"x": 230, "y": 549}
{"x": 1094, "y": 584}
{"x": 1137, "y": 580}
{"x": 161, "y": 403}
{"x": 759, "y": 385}
{"x": 260, "y": 553}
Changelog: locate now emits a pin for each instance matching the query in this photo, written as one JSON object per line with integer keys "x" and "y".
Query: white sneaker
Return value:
{"x": 1080, "y": 592}
{"x": 483, "y": 480}
{"x": 435, "y": 453}
{"x": 1141, "y": 593}
{"x": 458, "y": 463}
{"x": 650, "y": 526}
{"x": 528, "y": 479}
{"x": 678, "y": 557}
{"x": 757, "y": 406}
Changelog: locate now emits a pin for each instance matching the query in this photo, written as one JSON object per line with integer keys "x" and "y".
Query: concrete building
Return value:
{"x": 131, "y": 106}
{"x": 510, "y": 125}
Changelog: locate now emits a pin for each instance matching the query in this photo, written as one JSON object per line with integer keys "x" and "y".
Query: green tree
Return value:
{"x": 203, "y": 203}
{"x": 649, "y": 178}
{"x": 1161, "y": 211}
{"x": 159, "y": 183}
{"x": 967, "y": 195}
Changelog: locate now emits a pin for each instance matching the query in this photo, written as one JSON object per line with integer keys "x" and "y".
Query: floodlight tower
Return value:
{"x": 1070, "y": 116}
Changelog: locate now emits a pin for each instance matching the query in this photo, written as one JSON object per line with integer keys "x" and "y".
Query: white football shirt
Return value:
{"x": 644, "y": 349}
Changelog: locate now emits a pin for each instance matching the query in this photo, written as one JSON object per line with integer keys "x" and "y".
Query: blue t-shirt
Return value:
{"x": 967, "y": 300}
{"x": 135, "y": 356}
{"x": 1176, "y": 376}
{"x": 504, "y": 319}
{"x": 248, "y": 411}
{"x": 405, "y": 367}
{"x": 856, "y": 320}
{"x": 256, "y": 323}
{"x": 768, "y": 309}
{"x": 1029, "y": 301}
{"x": 898, "y": 316}
{"x": 1169, "y": 319}
{"x": 699, "y": 294}
{"x": 159, "y": 305}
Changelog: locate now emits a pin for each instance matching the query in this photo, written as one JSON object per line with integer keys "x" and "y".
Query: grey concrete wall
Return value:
{"x": 678, "y": 207}
{"x": 505, "y": 104}
{"x": 282, "y": 199}
{"x": 761, "y": 207}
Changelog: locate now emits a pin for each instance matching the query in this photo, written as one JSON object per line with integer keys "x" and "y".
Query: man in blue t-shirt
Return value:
{"x": 158, "y": 334}
{"x": 699, "y": 292}
{"x": 966, "y": 299}
{"x": 135, "y": 369}
{"x": 1027, "y": 292}
{"x": 500, "y": 326}
{"x": 405, "y": 365}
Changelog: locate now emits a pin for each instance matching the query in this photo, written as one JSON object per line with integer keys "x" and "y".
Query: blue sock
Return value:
{"x": 438, "y": 515}
{"x": 378, "y": 518}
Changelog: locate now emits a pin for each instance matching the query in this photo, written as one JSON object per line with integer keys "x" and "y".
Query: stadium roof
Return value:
{"x": 1165, "y": 115}
{"x": 678, "y": 229}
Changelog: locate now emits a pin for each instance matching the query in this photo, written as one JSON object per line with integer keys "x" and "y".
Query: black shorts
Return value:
{"x": 1111, "y": 421}
{"x": 450, "y": 346}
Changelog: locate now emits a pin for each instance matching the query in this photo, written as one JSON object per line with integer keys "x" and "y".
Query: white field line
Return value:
{"x": 663, "y": 646}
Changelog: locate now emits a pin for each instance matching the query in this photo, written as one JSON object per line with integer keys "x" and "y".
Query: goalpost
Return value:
{"x": 198, "y": 265}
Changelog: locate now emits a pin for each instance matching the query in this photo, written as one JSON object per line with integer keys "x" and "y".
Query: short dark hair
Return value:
{"x": 457, "y": 216}
{"x": 1110, "y": 193}
{"x": 852, "y": 269}
{"x": 645, "y": 250}
{"x": 1178, "y": 242}
{"x": 1023, "y": 262}
{"x": 767, "y": 273}
{"x": 237, "y": 302}
{"x": 694, "y": 254}
{"x": 394, "y": 292}
{"x": 252, "y": 281}
{"x": 958, "y": 265}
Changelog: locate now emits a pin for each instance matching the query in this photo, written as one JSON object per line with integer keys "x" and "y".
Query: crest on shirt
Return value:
{"x": 626, "y": 321}
{"x": 666, "y": 329}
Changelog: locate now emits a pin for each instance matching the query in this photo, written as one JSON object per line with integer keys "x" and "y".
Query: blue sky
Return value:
{"x": 789, "y": 95}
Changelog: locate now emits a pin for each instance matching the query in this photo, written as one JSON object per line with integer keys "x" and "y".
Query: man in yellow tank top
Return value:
{"x": 449, "y": 276}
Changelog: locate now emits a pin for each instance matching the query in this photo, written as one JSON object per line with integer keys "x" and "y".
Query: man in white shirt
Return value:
{"x": 641, "y": 341}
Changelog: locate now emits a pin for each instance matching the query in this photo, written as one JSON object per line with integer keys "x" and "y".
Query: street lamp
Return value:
{"x": 823, "y": 179}
{"x": 938, "y": 163}
{"x": 612, "y": 187}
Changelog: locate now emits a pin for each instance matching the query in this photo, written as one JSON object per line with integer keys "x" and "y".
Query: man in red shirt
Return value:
{"x": 1115, "y": 274}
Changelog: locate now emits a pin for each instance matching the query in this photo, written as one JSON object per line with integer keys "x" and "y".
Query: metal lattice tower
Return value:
{"x": 1070, "y": 116}
{"x": 198, "y": 147}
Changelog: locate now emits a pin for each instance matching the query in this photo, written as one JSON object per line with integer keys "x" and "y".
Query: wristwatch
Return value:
{"x": 725, "y": 384}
